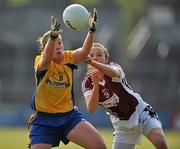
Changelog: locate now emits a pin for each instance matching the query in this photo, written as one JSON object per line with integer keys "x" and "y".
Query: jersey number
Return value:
{"x": 60, "y": 77}
{"x": 106, "y": 94}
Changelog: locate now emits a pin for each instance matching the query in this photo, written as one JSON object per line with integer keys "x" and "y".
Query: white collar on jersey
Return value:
{"x": 102, "y": 82}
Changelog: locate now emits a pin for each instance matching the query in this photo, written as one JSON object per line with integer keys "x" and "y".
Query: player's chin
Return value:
{"x": 58, "y": 53}
{"x": 101, "y": 61}
{"x": 58, "y": 56}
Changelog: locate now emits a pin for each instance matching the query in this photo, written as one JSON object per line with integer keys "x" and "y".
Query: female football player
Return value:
{"x": 105, "y": 85}
{"x": 56, "y": 118}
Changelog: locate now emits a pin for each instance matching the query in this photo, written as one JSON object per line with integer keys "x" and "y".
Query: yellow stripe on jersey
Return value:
{"x": 54, "y": 91}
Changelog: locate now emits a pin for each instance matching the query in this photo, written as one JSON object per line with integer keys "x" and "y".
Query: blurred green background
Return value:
{"x": 142, "y": 35}
{"x": 17, "y": 138}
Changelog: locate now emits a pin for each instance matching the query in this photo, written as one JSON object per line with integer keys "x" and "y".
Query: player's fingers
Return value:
{"x": 95, "y": 15}
{"x": 52, "y": 20}
{"x": 57, "y": 27}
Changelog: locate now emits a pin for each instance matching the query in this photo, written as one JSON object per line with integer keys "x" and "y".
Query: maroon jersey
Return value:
{"x": 115, "y": 95}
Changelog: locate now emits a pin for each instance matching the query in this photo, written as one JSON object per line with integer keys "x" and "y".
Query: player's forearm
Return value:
{"x": 107, "y": 70}
{"x": 48, "y": 54}
{"x": 93, "y": 100}
{"x": 49, "y": 49}
{"x": 87, "y": 45}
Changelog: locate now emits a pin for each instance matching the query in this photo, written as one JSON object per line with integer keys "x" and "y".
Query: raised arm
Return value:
{"x": 103, "y": 68}
{"x": 106, "y": 69}
{"x": 81, "y": 53}
{"x": 48, "y": 51}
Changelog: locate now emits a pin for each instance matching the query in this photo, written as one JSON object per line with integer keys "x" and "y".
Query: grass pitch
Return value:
{"x": 17, "y": 138}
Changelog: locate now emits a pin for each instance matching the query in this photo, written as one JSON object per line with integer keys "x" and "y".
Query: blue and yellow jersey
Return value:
{"x": 54, "y": 92}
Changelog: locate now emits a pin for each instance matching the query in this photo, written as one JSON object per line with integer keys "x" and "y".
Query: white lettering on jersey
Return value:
{"x": 111, "y": 102}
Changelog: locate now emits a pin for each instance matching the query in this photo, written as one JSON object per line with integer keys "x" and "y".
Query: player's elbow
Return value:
{"x": 115, "y": 73}
{"x": 83, "y": 55}
{"x": 80, "y": 55}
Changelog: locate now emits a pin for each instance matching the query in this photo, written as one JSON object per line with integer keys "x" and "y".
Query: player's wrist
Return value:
{"x": 91, "y": 32}
{"x": 93, "y": 28}
{"x": 96, "y": 83}
{"x": 55, "y": 28}
{"x": 53, "y": 36}
{"x": 93, "y": 62}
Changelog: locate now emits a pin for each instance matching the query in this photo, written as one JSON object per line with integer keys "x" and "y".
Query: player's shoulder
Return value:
{"x": 68, "y": 56}
{"x": 68, "y": 52}
{"x": 38, "y": 56}
{"x": 114, "y": 64}
{"x": 86, "y": 80}
{"x": 86, "y": 77}
{"x": 86, "y": 83}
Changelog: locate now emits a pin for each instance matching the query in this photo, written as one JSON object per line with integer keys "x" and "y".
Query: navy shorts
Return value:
{"x": 52, "y": 128}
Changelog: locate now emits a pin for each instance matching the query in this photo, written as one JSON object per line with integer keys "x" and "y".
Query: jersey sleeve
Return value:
{"x": 117, "y": 67}
{"x": 36, "y": 62}
{"x": 86, "y": 86}
{"x": 68, "y": 57}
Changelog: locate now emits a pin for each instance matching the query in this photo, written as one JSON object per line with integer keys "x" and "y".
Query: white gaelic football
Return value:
{"x": 75, "y": 17}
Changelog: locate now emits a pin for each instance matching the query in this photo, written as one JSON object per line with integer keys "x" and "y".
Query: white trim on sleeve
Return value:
{"x": 87, "y": 93}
